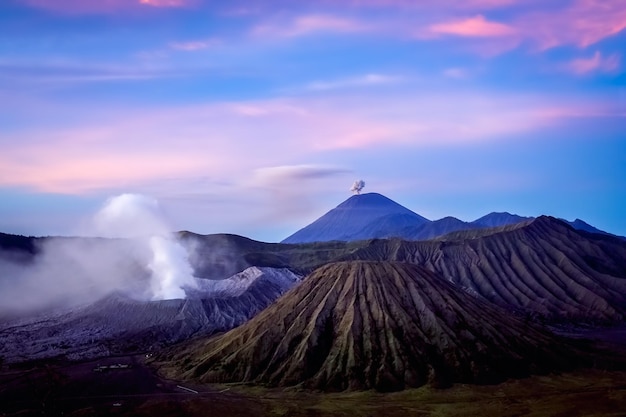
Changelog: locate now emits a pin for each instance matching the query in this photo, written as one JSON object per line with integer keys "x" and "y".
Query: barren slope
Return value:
{"x": 380, "y": 325}
{"x": 541, "y": 268}
{"x": 118, "y": 324}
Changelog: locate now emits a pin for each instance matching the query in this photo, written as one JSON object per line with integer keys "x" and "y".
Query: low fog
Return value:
{"x": 133, "y": 252}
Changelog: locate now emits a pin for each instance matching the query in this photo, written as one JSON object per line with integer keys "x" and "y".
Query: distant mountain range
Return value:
{"x": 374, "y": 216}
{"x": 542, "y": 268}
{"x": 472, "y": 299}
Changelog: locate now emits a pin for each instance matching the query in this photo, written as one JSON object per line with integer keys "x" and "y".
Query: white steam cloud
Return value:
{"x": 357, "y": 186}
{"x": 139, "y": 217}
{"x": 135, "y": 254}
{"x": 130, "y": 216}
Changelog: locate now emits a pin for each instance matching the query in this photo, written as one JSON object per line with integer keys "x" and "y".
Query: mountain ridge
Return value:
{"x": 387, "y": 219}
{"x": 374, "y": 325}
{"x": 541, "y": 268}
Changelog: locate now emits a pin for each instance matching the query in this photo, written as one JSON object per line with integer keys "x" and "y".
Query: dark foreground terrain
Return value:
{"x": 75, "y": 389}
{"x": 122, "y": 386}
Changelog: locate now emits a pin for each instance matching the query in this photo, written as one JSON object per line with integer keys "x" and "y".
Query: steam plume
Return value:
{"x": 140, "y": 259}
{"x": 357, "y": 186}
{"x": 139, "y": 217}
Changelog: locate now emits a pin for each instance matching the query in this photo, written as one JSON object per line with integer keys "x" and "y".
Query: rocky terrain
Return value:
{"x": 541, "y": 268}
{"x": 375, "y": 325}
{"x": 118, "y": 324}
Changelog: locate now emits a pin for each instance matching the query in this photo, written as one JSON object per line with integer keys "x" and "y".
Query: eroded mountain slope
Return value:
{"x": 540, "y": 268}
{"x": 374, "y": 325}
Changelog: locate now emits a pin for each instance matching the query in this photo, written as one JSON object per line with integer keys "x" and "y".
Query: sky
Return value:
{"x": 255, "y": 117}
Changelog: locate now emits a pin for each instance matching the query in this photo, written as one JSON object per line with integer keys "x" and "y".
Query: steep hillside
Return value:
{"x": 375, "y": 325}
{"x": 540, "y": 268}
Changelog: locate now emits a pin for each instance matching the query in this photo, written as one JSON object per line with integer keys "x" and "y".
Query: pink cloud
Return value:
{"x": 476, "y": 26}
{"x": 304, "y": 25}
{"x": 596, "y": 63}
{"x": 360, "y": 81}
{"x": 196, "y": 45}
{"x": 226, "y": 141}
{"x": 431, "y": 4}
{"x": 102, "y": 6}
{"x": 457, "y": 73}
{"x": 163, "y": 3}
{"x": 583, "y": 23}
{"x": 87, "y": 158}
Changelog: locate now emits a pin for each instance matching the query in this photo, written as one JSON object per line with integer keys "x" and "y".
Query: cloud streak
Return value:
{"x": 294, "y": 173}
{"x": 309, "y": 24}
{"x": 596, "y": 63}
{"x": 195, "y": 45}
{"x": 476, "y": 26}
{"x": 290, "y": 188}
{"x": 77, "y": 7}
{"x": 582, "y": 23}
{"x": 576, "y": 22}
{"x": 222, "y": 140}
{"x": 360, "y": 81}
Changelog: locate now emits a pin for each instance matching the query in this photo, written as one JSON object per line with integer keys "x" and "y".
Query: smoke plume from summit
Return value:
{"x": 357, "y": 186}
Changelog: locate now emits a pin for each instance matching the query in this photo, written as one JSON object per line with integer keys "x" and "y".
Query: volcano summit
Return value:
{"x": 354, "y": 218}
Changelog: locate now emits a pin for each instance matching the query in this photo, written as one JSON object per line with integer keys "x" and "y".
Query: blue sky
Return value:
{"x": 255, "y": 117}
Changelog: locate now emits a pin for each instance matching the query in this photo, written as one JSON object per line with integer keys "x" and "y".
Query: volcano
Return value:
{"x": 118, "y": 324}
{"x": 375, "y": 325}
{"x": 355, "y": 218}
{"x": 374, "y": 216}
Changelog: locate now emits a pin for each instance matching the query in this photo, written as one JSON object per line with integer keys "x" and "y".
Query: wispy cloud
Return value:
{"x": 455, "y": 72}
{"x": 228, "y": 139}
{"x": 359, "y": 81}
{"x": 195, "y": 45}
{"x": 291, "y": 188}
{"x": 71, "y": 71}
{"x": 575, "y": 22}
{"x": 596, "y": 63}
{"x": 429, "y": 4}
{"x": 103, "y": 6}
{"x": 299, "y": 173}
{"x": 582, "y": 23}
{"x": 476, "y": 26}
{"x": 164, "y": 3}
{"x": 308, "y": 24}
